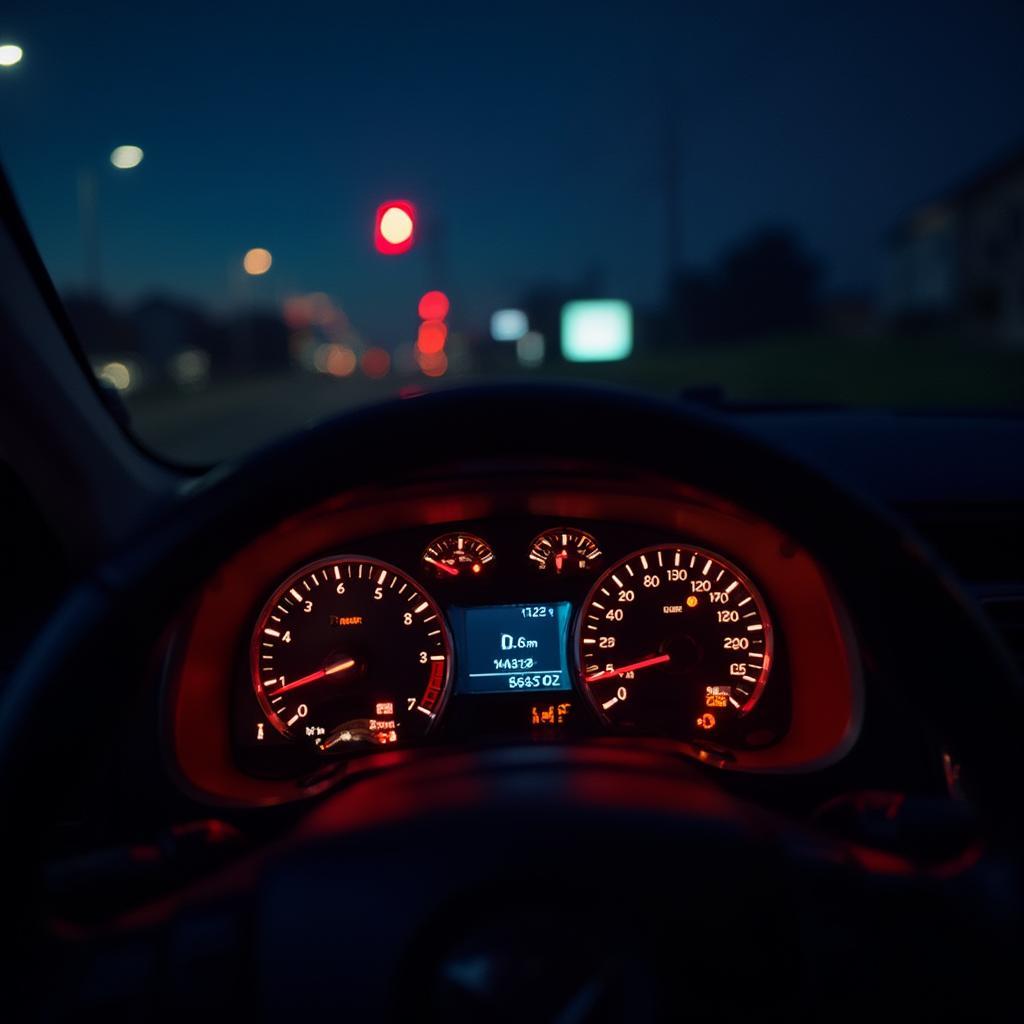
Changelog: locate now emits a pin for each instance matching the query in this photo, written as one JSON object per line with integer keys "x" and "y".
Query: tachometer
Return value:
{"x": 350, "y": 651}
{"x": 674, "y": 640}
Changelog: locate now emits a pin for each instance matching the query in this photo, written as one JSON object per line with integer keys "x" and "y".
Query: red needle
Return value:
{"x": 338, "y": 666}
{"x": 647, "y": 662}
{"x": 450, "y": 569}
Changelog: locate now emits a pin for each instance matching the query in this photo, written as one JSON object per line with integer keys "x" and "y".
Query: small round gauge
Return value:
{"x": 564, "y": 550}
{"x": 349, "y": 651}
{"x": 458, "y": 554}
{"x": 674, "y": 640}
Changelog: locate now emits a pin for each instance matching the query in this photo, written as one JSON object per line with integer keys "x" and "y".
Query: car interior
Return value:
{"x": 490, "y": 690}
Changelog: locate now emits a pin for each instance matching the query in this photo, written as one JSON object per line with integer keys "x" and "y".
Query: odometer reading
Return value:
{"x": 674, "y": 640}
{"x": 350, "y": 651}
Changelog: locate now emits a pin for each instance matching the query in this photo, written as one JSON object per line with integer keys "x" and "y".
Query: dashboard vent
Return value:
{"x": 1006, "y": 613}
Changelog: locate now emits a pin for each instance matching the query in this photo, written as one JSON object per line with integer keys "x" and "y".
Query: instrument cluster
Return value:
{"x": 500, "y": 629}
{"x": 531, "y": 609}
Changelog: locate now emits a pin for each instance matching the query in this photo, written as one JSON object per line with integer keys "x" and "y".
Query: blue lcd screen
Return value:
{"x": 512, "y": 648}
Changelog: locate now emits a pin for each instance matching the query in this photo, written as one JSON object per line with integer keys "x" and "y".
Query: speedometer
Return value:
{"x": 350, "y": 651}
{"x": 674, "y": 640}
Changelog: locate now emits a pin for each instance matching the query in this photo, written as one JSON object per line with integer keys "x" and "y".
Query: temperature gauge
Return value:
{"x": 564, "y": 550}
{"x": 458, "y": 554}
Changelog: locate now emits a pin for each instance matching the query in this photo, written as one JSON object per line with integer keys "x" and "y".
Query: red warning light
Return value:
{"x": 434, "y": 306}
{"x": 395, "y": 227}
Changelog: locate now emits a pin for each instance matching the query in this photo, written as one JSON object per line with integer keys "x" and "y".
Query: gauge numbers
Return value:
{"x": 674, "y": 640}
{"x": 350, "y": 651}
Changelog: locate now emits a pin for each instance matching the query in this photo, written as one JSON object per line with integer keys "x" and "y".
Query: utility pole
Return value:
{"x": 670, "y": 170}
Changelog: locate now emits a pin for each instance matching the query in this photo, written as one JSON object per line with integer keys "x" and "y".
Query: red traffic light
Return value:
{"x": 431, "y": 337}
{"x": 395, "y": 228}
{"x": 433, "y": 306}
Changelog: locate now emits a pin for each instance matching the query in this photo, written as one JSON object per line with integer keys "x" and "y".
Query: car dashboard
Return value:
{"x": 538, "y": 605}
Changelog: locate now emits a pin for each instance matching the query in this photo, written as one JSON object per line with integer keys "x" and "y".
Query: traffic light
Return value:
{"x": 433, "y": 306}
{"x": 433, "y": 333}
{"x": 395, "y": 227}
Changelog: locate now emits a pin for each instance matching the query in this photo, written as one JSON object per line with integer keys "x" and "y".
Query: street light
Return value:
{"x": 10, "y": 54}
{"x": 257, "y": 261}
{"x": 124, "y": 158}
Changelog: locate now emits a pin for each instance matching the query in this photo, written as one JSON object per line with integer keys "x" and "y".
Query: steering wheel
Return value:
{"x": 556, "y": 884}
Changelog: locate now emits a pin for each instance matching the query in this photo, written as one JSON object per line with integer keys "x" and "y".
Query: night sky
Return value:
{"x": 535, "y": 140}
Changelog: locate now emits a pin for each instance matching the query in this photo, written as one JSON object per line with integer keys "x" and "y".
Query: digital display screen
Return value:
{"x": 512, "y": 648}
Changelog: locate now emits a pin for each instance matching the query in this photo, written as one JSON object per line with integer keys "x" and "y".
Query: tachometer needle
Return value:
{"x": 338, "y": 666}
{"x": 659, "y": 659}
{"x": 450, "y": 569}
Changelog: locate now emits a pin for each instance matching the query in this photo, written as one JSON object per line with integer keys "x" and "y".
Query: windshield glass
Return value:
{"x": 260, "y": 215}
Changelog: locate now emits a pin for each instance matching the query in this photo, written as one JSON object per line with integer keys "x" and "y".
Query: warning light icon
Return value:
{"x": 706, "y": 721}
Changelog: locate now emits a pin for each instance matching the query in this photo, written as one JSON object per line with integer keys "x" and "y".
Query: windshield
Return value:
{"x": 258, "y": 216}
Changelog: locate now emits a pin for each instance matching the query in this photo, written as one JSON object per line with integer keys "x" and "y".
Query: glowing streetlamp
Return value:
{"x": 124, "y": 158}
{"x": 10, "y": 54}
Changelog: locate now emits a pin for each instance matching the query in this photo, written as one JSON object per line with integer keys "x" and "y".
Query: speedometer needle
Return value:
{"x": 659, "y": 659}
{"x": 450, "y": 569}
{"x": 338, "y": 666}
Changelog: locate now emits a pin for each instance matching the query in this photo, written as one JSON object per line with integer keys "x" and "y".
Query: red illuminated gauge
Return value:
{"x": 458, "y": 554}
{"x": 564, "y": 550}
{"x": 350, "y": 652}
{"x": 674, "y": 640}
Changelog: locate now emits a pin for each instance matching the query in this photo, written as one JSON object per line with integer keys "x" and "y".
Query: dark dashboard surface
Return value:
{"x": 904, "y": 458}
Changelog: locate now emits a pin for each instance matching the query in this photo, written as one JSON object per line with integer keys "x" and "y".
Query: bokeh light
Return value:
{"x": 190, "y": 368}
{"x": 376, "y": 363}
{"x": 509, "y": 324}
{"x": 124, "y": 158}
{"x": 433, "y": 364}
{"x": 10, "y": 54}
{"x": 341, "y": 361}
{"x": 597, "y": 330}
{"x": 431, "y": 337}
{"x": 434, "y": 306}
{"x": 530, "y": 349}
{"x": 395, "y": 227}
{"x": 257, "y": 261}
{"x": 117, "y": 374}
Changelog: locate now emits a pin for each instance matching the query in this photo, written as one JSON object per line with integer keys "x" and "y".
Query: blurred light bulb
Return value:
{"x": 509, "y": 324}
{"x": 257, "y": 261}
{"x": 116, "y": 374}
{"x": 124, "y": 158}
{"x": 433, "y": 306}
{"x": 10, "y": 54}
{"x": 396, "y": 226}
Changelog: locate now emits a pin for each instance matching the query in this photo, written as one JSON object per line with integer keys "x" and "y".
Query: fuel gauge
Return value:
{"x": 564, "y": 550}
{"x": 458, "y": 554}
